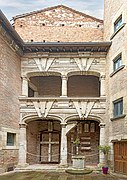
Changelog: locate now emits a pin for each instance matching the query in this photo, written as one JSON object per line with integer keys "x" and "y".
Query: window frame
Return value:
{"x": 12, "y": 140}
{"x": 117, "y": 62}
{"x": 118, "y": 107}
{"x": 118, "y": 23}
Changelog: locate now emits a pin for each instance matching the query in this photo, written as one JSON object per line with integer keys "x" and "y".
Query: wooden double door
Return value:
{"x": 120, "y": 157}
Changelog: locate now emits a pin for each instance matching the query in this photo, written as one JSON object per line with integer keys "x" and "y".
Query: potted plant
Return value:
{"x": 105, "y": 149}
{"x": 76, "y": 143}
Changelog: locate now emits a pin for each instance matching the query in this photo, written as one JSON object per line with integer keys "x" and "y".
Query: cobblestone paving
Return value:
{"x": 56, "y": 176}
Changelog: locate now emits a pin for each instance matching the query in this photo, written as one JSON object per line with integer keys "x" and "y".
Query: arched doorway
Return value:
{"x": 43, "y": 141}
{"x": 83, "y": 139}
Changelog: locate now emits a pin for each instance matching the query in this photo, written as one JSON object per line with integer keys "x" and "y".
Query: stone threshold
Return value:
{"x": 50, "y": 167}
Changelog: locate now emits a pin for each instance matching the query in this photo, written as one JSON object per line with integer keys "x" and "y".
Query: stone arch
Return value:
{"x": 44, "y": 84}
{"x": 87, "y": 131}
{"x": 98, "y": 74}
{"x": 79, "y": 80}
{"x": 43, "y": 73}
{"x": 29, "y": 118}
{"x": 92, "y": 117}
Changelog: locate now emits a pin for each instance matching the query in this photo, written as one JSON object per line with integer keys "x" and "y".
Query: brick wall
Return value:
{"x": 83, "y": 86}
{"x": 10, "y": 89}
{"x": 10, "y": 84}
{"x": 59, "y": 24}
{"x": 47, "y": 86}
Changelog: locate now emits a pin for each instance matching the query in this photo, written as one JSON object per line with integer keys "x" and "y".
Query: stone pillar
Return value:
{"x": 22, "y": 146}
{"x": 102, "y": 85}
{"x": 24, "y": 86}
{"x": 64, "y": 86}
{"x": 63, "y": 155}
{"x": 102, "y": 141}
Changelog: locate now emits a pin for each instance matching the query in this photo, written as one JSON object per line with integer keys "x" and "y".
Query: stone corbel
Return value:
{"x": 44, "y": 64}
{"x": 84, "y": 108}
{"x": 43, "y": 107}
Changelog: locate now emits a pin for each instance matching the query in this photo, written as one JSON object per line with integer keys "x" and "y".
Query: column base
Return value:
{"x": 63, "y": 163}
{"x": 22, "y": 166}
{"x": 63, "y": 96}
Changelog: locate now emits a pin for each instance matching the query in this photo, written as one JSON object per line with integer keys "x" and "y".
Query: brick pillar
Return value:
{"x": 102, "y": 85}
{"x": 64, "y": 86}
{"x": 24, "y": 86}
{"x": 63, "y": 155}
{"x": 102, "y": 141}
{"x": 22, "y": 145}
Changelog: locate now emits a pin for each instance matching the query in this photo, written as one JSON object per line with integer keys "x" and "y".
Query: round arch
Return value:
{"x": 29, "y": 118}
{"x": 33, "y": 74}
{"x": 92, "y": 73}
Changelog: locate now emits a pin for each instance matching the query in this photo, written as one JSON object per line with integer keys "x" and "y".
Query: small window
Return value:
{"x": 117, "y": 62}
{"x": 11, "y": 139}
{"x": 118, "y": 107}
{"x": 117, "y": 23}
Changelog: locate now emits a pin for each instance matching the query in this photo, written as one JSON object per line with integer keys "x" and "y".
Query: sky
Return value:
{"x": 12, "y": 8}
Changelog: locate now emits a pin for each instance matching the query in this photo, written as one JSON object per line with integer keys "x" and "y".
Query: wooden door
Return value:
{"x": 50, "y": 147}
{"x": 120, "y": 157}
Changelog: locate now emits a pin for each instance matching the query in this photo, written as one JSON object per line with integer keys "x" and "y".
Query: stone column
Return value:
{"x": 64, "y": 86}
{"x": 24, "y": 86}
{"x": 22, "y": 146}
{"x": 102, "y": 85}
{"x": 63, "y": 155}
{"x": 102, "y": 141}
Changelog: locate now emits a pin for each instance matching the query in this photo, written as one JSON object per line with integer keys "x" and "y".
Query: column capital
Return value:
{"x": 102, "y": 77}
{"x": 22, "y": 125}
{"x": 24, "y": 77}
{"x": 64, "y": 77}
{"x": 63, "y": 125}
{"x": 102, "y": 125}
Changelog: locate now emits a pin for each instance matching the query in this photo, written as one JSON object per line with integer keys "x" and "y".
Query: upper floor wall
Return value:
{"x": 115, "y": 17}
{"x": 58, "y": 23}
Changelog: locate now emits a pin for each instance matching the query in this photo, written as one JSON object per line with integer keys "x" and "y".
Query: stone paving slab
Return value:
{"x": 56, "y": 176}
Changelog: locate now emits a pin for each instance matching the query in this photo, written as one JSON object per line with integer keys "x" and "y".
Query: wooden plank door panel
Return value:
{"x": 120, "y": 157}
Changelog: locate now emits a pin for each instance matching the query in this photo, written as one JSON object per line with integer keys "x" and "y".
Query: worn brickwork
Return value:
{"x": 86, "y": 86}
{"x": 47, "y": 86}
{"x": 116, "y": 83}
{"x": 58, "y": 24}
{"x": 10, "y": 83}
{"x": 10, "y": 89}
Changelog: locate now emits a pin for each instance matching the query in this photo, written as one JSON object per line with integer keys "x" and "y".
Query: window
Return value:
{"x": 117, "y": 23}
{"x": 11, "y": 139}
{"x": 118, "y": 107}
{"x": 117, "y": 62}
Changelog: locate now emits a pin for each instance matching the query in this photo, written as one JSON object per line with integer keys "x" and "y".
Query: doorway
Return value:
{"x": 87, "y": 134}
{"x": 50, "y": 144}
{"x": 120, "y": 157}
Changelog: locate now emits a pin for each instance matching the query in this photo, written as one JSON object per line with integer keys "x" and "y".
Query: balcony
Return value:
{"x": 62, "y": 107}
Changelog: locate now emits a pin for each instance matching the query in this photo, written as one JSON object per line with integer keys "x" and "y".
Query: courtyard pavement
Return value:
{"x": 38, "y": 175}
